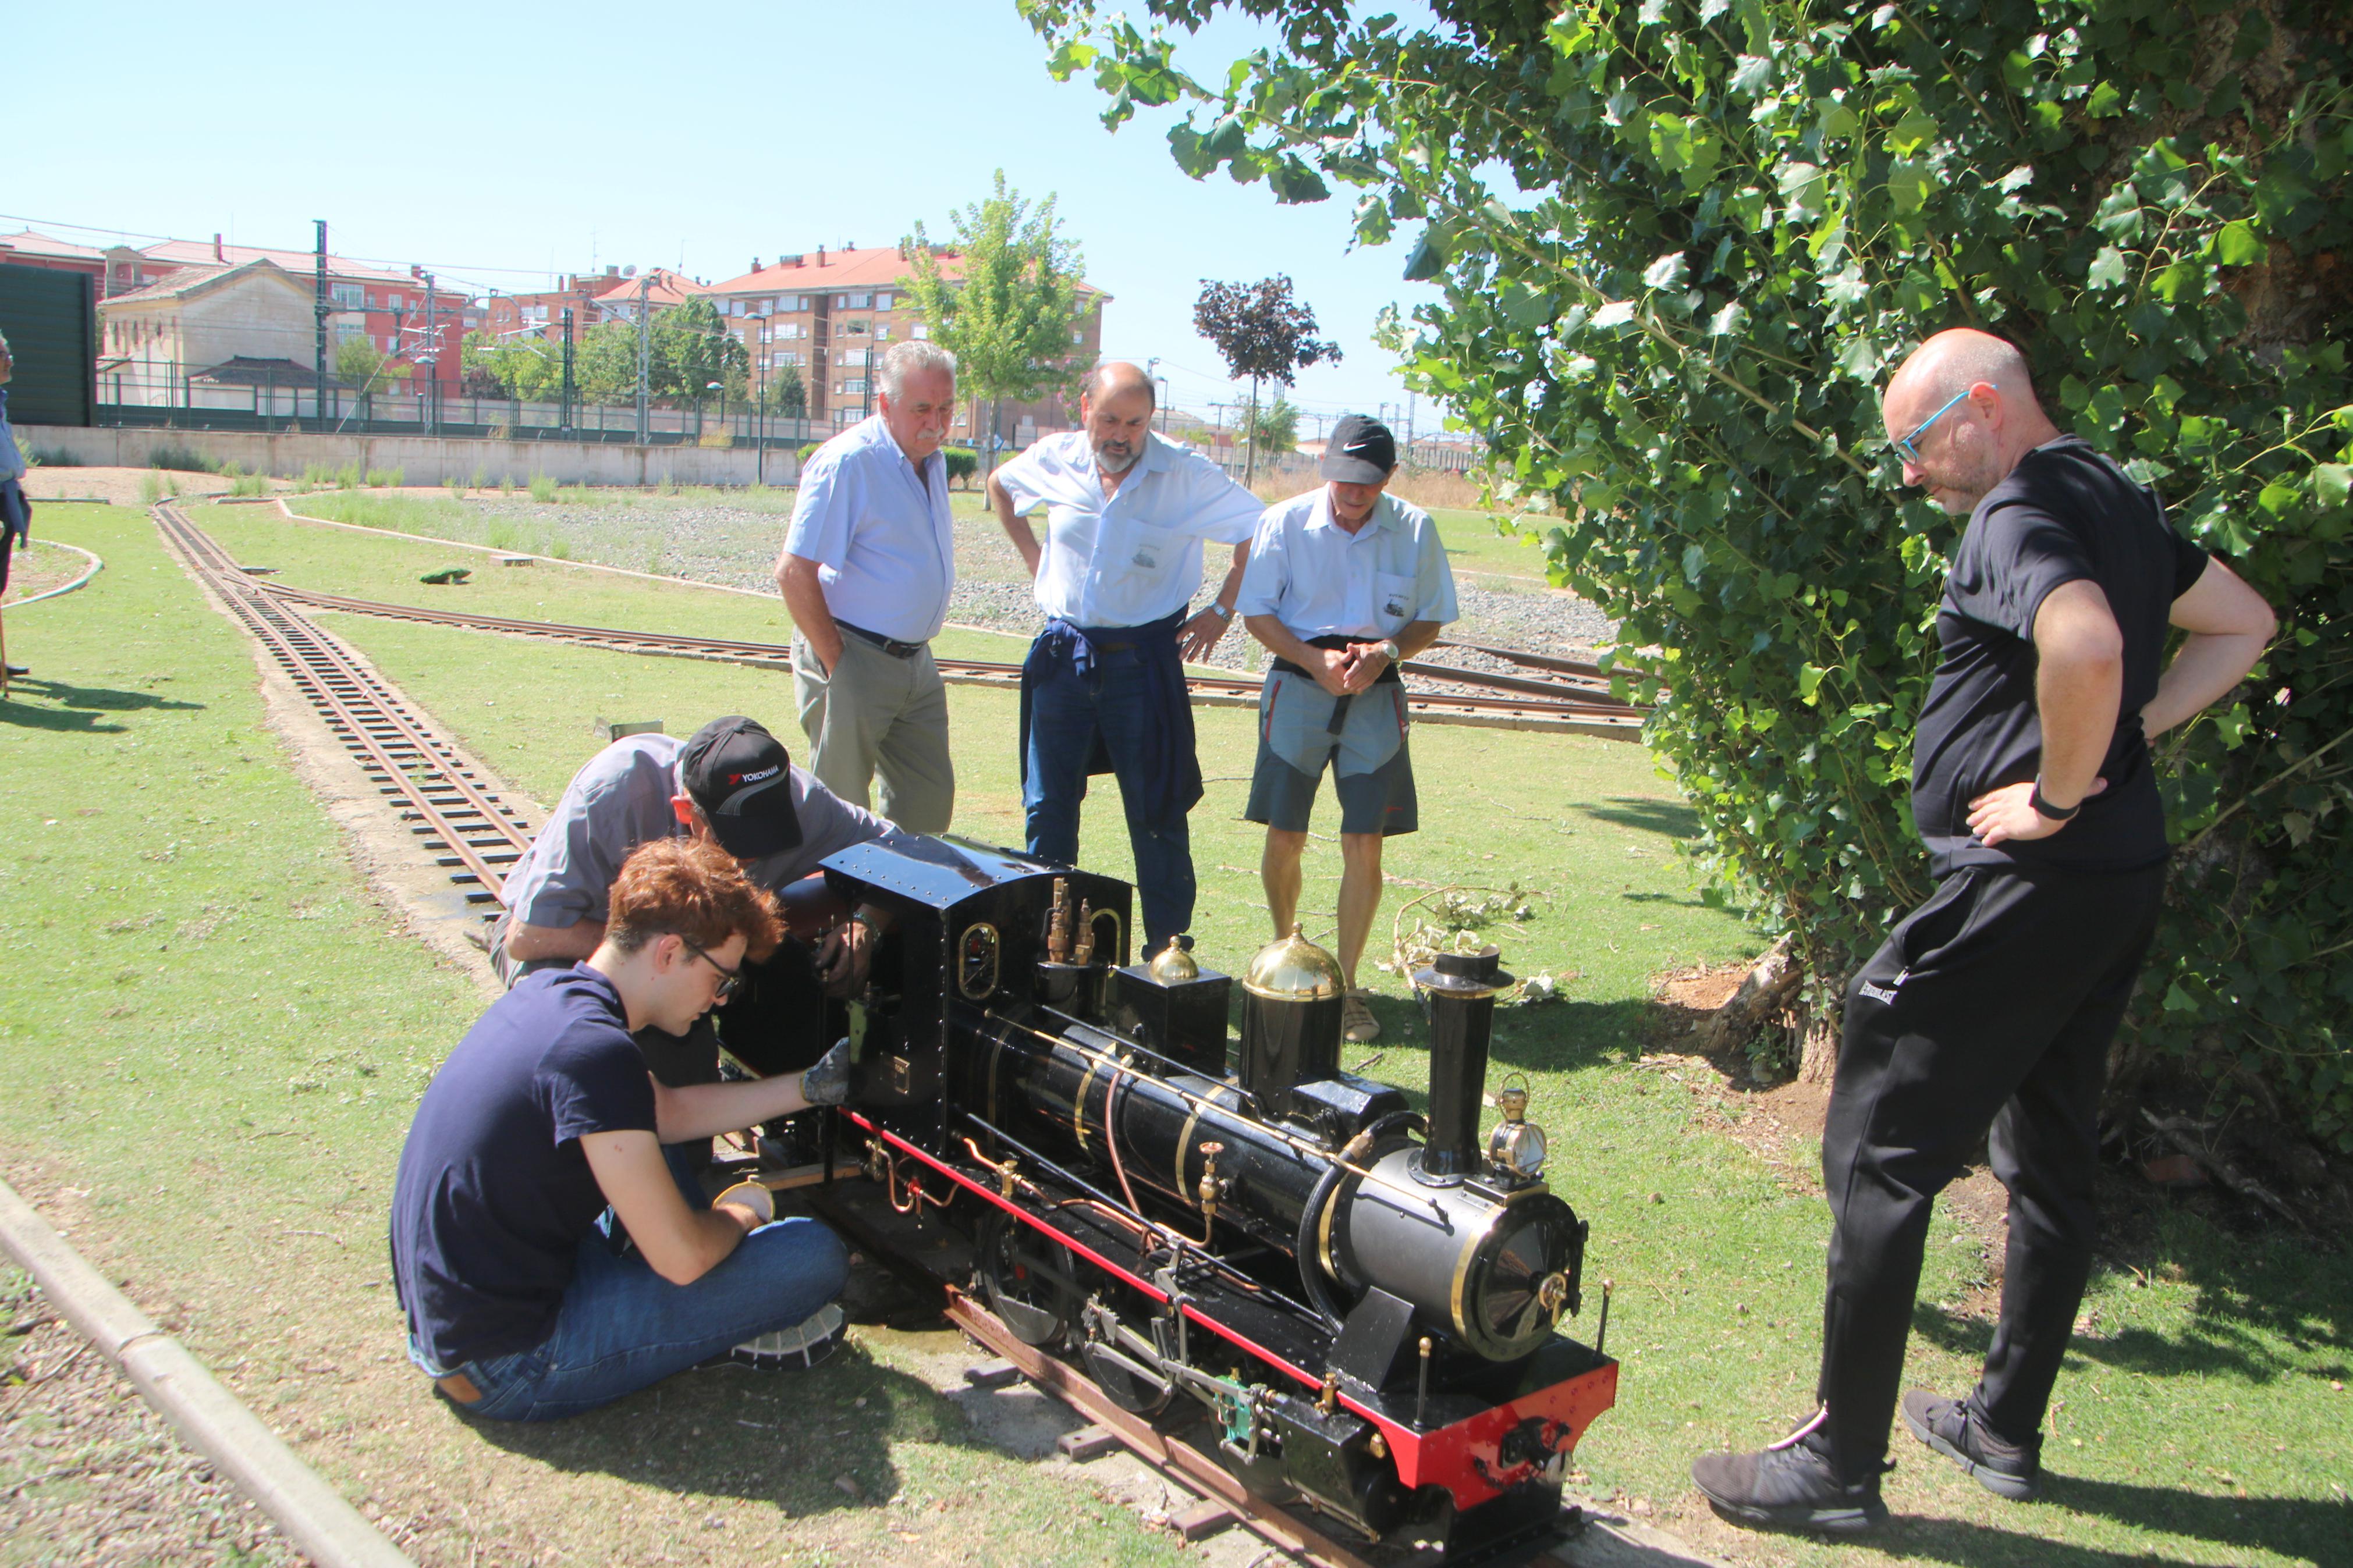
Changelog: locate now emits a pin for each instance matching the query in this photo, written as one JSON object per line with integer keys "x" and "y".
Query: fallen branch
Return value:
{"x": 2176, "y": 1132}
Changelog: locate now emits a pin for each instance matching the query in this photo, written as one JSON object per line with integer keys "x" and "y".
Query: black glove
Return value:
{"x": 827, "y": 1083}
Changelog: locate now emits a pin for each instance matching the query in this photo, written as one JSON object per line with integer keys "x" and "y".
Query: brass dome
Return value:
{"x": 1294, "y": 970}
{"x": 1172, "y": 964}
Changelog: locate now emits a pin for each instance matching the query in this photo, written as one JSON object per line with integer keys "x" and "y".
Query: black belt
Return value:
{"x": 891, "y": 646}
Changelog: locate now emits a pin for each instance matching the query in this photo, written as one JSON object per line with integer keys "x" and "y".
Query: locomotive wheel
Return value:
{"x": 1027, "y": 1284}
{"x": 1136, "y": 1395}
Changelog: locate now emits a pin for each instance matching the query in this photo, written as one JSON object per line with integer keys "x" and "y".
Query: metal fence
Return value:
{"x": 268, "y": 405}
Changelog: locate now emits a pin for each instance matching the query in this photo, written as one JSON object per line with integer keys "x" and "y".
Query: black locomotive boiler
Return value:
{"x": 1365, "y": 1300}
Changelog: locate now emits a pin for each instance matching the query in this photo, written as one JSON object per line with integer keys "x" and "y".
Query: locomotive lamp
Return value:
{"x": 1516, "y": 1147}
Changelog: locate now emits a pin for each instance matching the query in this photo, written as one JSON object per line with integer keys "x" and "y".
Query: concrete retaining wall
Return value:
{"x": 421, "y": 459}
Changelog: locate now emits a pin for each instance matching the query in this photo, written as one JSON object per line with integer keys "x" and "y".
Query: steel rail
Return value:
{"x": 1559, "y": 699}
{"x": 374, "y": 724}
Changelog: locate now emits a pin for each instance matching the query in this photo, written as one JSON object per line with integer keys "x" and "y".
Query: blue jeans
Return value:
{"x": 624, "y": 1327}
{"x": 1067, "y": 713}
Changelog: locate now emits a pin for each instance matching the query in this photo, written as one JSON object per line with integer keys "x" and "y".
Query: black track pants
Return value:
{"x": 1990, "y": 1004}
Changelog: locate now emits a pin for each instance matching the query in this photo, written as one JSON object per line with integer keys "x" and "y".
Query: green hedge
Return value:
{"x": 1725, "y": 224}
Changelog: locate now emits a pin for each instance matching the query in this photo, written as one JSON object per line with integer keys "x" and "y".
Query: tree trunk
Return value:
{"x": 1249, "y": 438}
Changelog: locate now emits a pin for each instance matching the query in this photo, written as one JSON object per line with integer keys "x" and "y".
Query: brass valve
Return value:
{"x": 1210, "y": 1189}
{"x": 1083, "y": 952}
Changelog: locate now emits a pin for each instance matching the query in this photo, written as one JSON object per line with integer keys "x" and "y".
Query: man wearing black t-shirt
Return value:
{"x": 546, "y": 1257}
{"x": 1992, "y": 1005}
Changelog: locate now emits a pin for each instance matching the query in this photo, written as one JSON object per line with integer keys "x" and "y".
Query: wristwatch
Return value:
{"x": 873, "y": 927}
{"x": 1390, "y": 650}
{"x": 2044, "y": 808}
{"x": 1223, "y": 613}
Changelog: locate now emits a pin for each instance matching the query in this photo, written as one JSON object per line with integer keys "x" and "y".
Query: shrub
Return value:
{"x": 47, "y": 457}
{"x": 249, "y": 485}
{"x": 1680, "y": 246}
{"x": 962, "y": 463}
{"x": 482, "y": 477}
{"x": 668, "y": 485}
{"x": 381, "y": 479}
{"x": 716, "y": 438}
{"x": 181, "y": 459}
{"x": 151, "y": 487}
{"x": 543, "y": 489}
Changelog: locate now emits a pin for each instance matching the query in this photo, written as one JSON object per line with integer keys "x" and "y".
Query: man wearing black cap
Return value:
{"x": 732, "y": 783}
{"x": 1343, "y": 584}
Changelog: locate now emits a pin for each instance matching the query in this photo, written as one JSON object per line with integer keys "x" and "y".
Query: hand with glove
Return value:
{"x": 827, "y": 1083}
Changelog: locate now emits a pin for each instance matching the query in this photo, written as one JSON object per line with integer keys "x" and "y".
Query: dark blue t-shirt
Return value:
{"x": 2065, "y": 514}
{"x": 495, "y": 1197}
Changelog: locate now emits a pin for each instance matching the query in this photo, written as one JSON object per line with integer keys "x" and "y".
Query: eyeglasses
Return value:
{"x": 727, "y": 986}
{"x": 1908, "y": 445}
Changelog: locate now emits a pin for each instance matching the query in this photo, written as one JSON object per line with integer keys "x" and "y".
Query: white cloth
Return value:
{"x": 1135, "y": 558}
{"x": 882, "y": 538}
{"x": 1320, "y": 579}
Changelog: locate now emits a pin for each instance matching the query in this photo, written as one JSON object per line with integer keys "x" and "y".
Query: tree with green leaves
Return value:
{"x": 1276, "y": 428}
{"x": 525, "y": 368}
{"x": 693, "y": 348}
{"x": 788, "y": 393}
{"x": 1680, "y": 244}
{"x": 1262, "y": 333}
{"x": 361, "y": 365}
{"x": 1007, "y": 307}
{"x": 605, "y": 363}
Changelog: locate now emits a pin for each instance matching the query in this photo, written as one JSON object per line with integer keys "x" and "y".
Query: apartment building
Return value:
{"x": 832, "y": 313}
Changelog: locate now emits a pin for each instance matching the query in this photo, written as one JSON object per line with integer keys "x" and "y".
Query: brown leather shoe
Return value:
{"x": 458, "y": 1389}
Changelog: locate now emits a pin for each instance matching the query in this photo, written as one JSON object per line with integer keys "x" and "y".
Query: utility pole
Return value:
{"x": 319, "y": 313}
{"x": 432, "y": 346}
{"x": 645, "y": 352}
{"x": 1409, "y": 400}
{"x": 566, "y": 421}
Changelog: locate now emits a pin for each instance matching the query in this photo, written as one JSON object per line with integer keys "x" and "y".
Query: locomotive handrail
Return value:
{"x": 1201, "y": 1102}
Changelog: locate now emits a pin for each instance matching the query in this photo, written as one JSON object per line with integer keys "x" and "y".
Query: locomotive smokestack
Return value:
{"x": 1461, "y": 987}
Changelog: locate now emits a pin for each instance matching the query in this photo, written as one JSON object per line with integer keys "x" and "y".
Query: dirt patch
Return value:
{"x": 1782, "y": 1122}
{"x": 119, "y": 487}
{"x": 90, "y": 1473}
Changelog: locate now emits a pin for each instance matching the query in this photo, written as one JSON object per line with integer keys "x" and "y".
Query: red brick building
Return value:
{"x": 831, "y": 315}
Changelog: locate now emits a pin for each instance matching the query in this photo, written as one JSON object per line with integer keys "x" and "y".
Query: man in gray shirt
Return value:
{"x": 730, "y": 781}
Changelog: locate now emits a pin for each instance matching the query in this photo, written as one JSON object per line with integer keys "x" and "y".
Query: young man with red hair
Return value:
{"x": 548, "y": 1256}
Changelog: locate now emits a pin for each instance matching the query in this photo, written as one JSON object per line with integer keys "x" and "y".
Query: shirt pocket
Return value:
{"x": 1146, "y": 550}
{"x": 1394, "y": 600}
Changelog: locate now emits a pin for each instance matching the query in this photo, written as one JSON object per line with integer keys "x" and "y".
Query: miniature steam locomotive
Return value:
{"x": 1362, "y": 1298}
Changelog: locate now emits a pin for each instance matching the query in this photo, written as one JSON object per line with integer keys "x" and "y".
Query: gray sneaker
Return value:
{"x": 802, "y": 1345}
{"x": 1791, "y": 1483}
{"x": 1950, "y": 1426}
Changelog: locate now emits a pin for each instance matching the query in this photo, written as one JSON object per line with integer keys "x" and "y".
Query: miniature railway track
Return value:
{"x": 468, "y": 827}
{"x": 1569, "y": 690}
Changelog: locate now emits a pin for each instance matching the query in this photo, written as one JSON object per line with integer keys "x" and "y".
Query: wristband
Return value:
{"x": 1223, "y": 614}
{"x": 873, "y": 927}
{"x": 2044, "y": 808}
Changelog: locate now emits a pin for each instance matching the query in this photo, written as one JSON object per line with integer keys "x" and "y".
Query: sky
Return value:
{"x": 501, "y": 143}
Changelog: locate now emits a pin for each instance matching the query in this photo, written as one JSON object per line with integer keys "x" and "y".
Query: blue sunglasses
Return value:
{"x": 1908, "y": 448}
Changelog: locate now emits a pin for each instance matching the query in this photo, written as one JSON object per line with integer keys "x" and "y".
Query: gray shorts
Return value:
{"x": 1295, "y": 746}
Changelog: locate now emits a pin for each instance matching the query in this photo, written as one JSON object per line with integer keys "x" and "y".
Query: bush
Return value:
{"x": 482, "y": 477}
{"x": 47, "y": 457}
{"x": 1722, "y": 227}
{"x": 151, "y": 487}
{"x": 182, "y": 460}
{"x": 962, "y": 463}
{"x": 249, "y": 485}
{"x": 382, "y": 479}
{"x": 543, "y": 489}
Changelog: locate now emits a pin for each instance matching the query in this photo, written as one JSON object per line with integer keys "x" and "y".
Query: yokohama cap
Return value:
{"x": 1361, "y": 451}
{"x": 740, "y": 777}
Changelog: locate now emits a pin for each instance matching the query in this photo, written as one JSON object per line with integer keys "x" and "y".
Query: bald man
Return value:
{"x": 1992, "y": 1005}
{"x": 1103, "y": 691}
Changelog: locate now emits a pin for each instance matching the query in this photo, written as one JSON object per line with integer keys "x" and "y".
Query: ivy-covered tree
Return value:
{"x": 1263, "y": 333}
{"x": 1681, "y": 244}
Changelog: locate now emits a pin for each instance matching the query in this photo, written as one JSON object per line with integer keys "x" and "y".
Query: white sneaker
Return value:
{"x": 1357, "y": 1024}
{"x": 801, "y": 1345}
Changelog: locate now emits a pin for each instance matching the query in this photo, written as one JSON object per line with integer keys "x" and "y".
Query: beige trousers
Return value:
{"x": 877, "y": 714}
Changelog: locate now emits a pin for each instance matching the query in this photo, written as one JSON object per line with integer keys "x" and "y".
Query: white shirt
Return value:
{"x": 883, "y": 542}
{"x": 1320, "y": 579}
{"x": 1136, "y": 557}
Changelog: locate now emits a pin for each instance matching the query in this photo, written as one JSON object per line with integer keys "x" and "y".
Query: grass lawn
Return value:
{"x": 215, "y": 1039}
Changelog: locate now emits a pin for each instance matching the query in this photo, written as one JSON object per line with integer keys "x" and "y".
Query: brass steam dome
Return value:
{"x": 1294, "y": 970}
{"x": 1172, "y": 964}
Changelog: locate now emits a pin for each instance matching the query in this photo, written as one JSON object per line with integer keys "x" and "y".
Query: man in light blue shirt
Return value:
{"x": 1344, "y": 583}
{"x": 866, "y": 572}
{"x": 1103, "y": 688}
